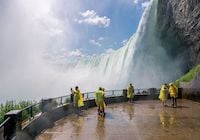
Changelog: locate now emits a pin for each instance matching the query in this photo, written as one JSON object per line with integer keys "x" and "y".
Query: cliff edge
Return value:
{"x": 179, "y": 29}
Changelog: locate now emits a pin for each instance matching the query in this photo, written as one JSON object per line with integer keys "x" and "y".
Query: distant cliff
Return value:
{"x": 179, "y": 29}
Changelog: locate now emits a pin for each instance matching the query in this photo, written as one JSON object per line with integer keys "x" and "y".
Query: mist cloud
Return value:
{"x": 29, "y": 29}
{"x": 37, "y": 58}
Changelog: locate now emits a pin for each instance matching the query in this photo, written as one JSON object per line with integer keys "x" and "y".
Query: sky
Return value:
{"x": 96, "y": 26}
{"x": 33, "y": 31}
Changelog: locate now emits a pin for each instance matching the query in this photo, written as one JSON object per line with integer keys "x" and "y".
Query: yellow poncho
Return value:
{"x": 78, "y": 98}
{"x": 163, "y": 93}
{"x": 173, "y": 91}
{"x": 80, "y": 101}
{"x": 130, "y": 92}
{"x": 99, "y": 99}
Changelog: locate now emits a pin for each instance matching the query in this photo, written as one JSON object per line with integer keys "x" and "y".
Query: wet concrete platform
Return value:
{"x": 142, "y": 120}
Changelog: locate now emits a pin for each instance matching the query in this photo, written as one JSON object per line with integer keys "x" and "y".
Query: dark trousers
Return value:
{"x": 71, "y": 98}
{"x": 174, "y": 102}
{"x": 76, "y": 109}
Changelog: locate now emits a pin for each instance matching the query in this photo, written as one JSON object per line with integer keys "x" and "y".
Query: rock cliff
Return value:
{"x": 179, "y": 29}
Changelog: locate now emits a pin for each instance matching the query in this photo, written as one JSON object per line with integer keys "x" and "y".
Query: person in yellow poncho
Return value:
{"x": 163, "y": 94}
{"x": 173, "y": 91}
{"x": 130, "y": 93}
{"x": 99, "y": 99}
{"x": 78, "y": 99}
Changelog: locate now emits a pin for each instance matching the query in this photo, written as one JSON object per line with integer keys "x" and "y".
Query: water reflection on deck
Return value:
{"x": 143, "y": 120}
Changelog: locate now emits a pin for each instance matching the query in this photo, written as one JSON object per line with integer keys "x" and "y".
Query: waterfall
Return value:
{"x": 25, "y": 74}
{"x": 113, "y": 70}
{"x": 140, "y": 61}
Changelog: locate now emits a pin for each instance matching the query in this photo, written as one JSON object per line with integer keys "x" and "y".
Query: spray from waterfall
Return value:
{"x": 25, "y": 74}
{"x": 142, "y": 61}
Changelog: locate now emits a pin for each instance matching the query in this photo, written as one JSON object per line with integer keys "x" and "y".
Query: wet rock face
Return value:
{"x": 179, "y": 28}
{"x": 193, "y": 84}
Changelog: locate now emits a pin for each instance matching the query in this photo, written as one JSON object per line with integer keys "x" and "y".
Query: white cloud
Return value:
{"x": 95, "y": 43}
{"x": 88, "y": 13}
{"x": 90, "y": 17}
{"x": 109, "y": 51}
{"x": 124, "y": 42}
{"x": 136, "y": 1}
{"x": 76, "y": 53}
{"x": 100, "y": 38}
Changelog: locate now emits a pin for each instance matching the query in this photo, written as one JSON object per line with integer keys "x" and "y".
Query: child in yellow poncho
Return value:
{"x": 163, "y": 94}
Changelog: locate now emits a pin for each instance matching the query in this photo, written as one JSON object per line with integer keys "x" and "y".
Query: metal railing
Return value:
{"x": 116, "y": 93}
{"x": 30, "y": 112}
{"x": 35, "y": 110}
{"x": 62, "y": 100}
{"x": 108, "y": 93}
{"x": 2, "y": 125}
{"x": 4, "y": 122}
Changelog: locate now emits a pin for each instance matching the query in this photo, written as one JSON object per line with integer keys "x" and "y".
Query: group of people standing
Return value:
{"x": 171, "y": 90}
{"x": 100, "y": 101}
{"x": 78, "y": 101}
{"x": 165, "y": 92}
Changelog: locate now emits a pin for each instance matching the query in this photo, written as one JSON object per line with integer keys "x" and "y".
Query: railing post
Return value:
{"x": 125, "y": 94}
{"x": 180, "y": 92}
{"x": 2, "y": 133}
{"x": 153, "y": 92}
{"x": 46, "y": 105}
{"x": 139, "y": 91}
{"x": 14, "y": 124}
{"x": 31, "y": 111}
{"x": 87, "y": 96}
{"x": 112, "y": 92}
{"x": 61, "y": 102}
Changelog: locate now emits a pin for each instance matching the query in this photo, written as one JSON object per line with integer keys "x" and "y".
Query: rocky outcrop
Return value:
{"x": 193, "y": 84}
{"x": 179, "y": 29}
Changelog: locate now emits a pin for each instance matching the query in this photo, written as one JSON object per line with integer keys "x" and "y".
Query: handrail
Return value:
{"x": 4, "y": 122}
{"x": 26, "y": 108}
{"x": 32, "y": 112}
{"x": 60, "y": 97}
{"x": 27, "y": 114}
{"x": 87, "y": 95}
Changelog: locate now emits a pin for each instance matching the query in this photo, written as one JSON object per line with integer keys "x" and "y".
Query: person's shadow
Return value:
{"x": 100, "y": 127}
{"x": 167, "y": 119}
{"x": 129, "y": 110}
{"x": 108, "y": 115}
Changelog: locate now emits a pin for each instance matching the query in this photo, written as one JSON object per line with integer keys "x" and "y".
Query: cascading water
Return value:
{"x": 142, "y": 61}
{"x": 25, "y": 74}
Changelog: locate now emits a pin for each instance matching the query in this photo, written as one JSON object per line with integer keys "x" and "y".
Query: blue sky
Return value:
{"x": 101, "y": 26}
{"x": 69, "y": 28}
{"x": 123, "y": 21}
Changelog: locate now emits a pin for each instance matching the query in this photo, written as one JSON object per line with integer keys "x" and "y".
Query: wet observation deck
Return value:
{"x": 142, "y": 120}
